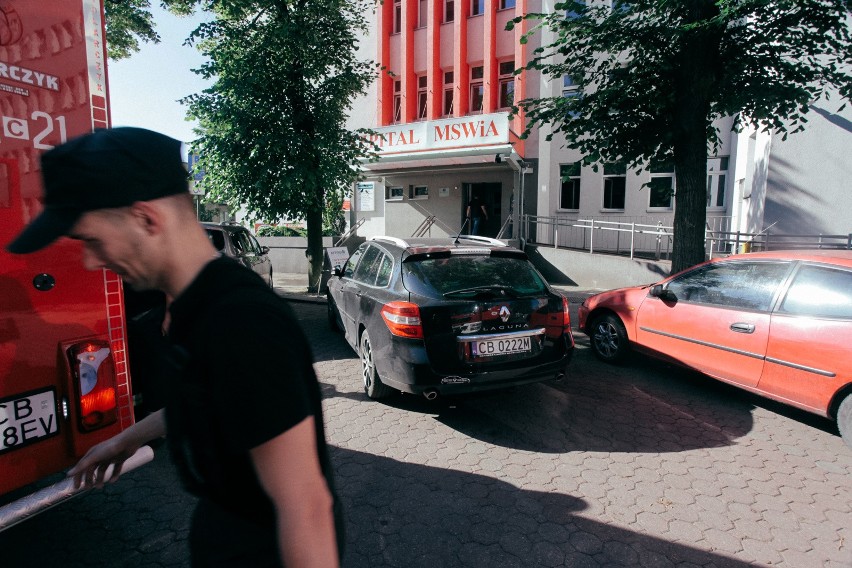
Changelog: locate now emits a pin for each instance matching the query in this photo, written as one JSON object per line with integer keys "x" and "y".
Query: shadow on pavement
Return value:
{"x": 400, "y": 514}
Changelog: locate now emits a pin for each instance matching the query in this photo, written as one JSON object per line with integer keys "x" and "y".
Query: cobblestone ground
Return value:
{"x": 642, "y": 465}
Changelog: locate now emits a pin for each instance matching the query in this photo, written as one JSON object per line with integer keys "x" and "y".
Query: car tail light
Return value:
{"x": 95, "y": 385}
{"x": 558, "y": 321}
{"x": 403, "y": 319}
{"x": 566, "y": 315}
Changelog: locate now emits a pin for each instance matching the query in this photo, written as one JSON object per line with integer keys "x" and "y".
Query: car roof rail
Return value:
{"x": 486, "y": 240}
{"x": 392, "y": 240}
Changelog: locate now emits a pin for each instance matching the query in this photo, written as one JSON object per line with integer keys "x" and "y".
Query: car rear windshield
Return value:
{"x": 468, "y": 275}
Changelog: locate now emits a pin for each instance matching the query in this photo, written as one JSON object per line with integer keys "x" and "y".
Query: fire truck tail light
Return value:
{"x": 95, "y": 384}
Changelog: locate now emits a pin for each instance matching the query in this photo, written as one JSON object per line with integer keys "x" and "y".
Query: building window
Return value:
{"x": 397, "y": 16}
{"x": 615, "y": 185}
{"x": 418, "y": 192}
{"x": 569, "y": 197}
{"x": 569, "y": 87}
{"x": 662, "y": 185}
{"x": 448, "y": 93}
{"x": 717, "y": 175}
{"x": 449, "y": 11}
{"x": 422, "y": 11}
{"x": 394, "y": 194}
{"x": 477, "y": 7}
{"x": 477, "y": 92}
{"x": 507, "y": 83}
{"x": 506, "y": 4}
{"x": 576, "y": 10}
{"x": 421, "y": 97}
{"x": 397, "y": 101}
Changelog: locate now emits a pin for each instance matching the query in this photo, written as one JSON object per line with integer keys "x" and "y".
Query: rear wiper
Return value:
{"x": 493, "y": 289}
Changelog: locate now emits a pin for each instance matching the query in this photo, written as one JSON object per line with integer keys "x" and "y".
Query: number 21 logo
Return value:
{"x": 19, "y": 129}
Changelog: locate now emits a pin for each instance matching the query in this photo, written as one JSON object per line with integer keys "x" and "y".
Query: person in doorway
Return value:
{"x": 243, "y": 413}
{"x": 475, "y": 212}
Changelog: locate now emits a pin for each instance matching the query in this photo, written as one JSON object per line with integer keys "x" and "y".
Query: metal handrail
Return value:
{"x": 719, "y": 242}
{"x": 345, "y": 236}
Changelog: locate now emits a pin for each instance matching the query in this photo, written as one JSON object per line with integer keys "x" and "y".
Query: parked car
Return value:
{"x": 775, "y": 323}
{"x": 469, "y": 315}
{"x": 237, "y": 242}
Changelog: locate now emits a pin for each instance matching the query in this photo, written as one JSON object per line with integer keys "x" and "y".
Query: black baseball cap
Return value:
{"x": 107, "y": 169}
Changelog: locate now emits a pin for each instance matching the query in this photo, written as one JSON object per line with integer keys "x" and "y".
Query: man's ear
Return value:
{"x": 148, "y": 215}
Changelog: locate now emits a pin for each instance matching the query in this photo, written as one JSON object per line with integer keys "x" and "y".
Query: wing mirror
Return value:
{"x": 661, "y": 292}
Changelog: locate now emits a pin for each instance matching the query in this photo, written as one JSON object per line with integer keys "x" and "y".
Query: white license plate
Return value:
{"x": 492, "y": 347}
{"x": 27, "y": 418}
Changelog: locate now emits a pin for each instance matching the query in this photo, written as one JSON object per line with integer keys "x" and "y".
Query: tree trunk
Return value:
{"x": 315, "y": 250}
{"x": 696, "y": 77}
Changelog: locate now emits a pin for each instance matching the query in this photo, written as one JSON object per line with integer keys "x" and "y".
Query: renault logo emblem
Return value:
{"x": 505, "y": 313}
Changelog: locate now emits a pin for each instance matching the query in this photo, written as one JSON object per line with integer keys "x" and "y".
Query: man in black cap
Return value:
{"x": 247, "y": 436}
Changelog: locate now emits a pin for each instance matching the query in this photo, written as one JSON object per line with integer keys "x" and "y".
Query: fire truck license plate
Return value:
{"x": 27, "y": 418}
{"x": 501, "y": 346}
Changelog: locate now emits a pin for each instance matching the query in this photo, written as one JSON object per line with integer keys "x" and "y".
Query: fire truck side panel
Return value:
{"x": 64, "y": 383}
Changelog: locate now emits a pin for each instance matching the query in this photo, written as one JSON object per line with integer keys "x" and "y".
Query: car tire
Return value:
{"x": 609, "y": 339}
{"x": 333, "y": 314}
{"x": 373, "y": 385}
{"x": 844, "y": 419}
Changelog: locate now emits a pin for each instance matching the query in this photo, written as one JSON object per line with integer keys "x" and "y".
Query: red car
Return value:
{"x": 776, "y": 323}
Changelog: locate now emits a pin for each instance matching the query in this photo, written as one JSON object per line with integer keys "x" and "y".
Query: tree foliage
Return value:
{"x": 128, "y": 22}
{"x": 273, "y": 135}
{"x": 654, "y": 75}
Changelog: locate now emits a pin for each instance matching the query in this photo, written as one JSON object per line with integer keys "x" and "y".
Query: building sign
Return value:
{"x": 460, "y": 132}
{"x": 366, "y": 195}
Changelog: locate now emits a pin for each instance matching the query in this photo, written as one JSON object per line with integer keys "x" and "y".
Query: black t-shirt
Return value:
{"x": 244, "y": 376}
{"x": 475, "y": 208}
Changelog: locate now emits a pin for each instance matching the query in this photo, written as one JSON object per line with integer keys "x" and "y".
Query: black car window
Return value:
{"x": 384, "y": 272}
{"x": 217, "y": 238}
{"x": 353, "y": 261}
{"x": 744, "y": 285}
{"x": 254, "y": 246}
{"x": 439, "y": 276}
{"x": 821, "y": 292}
{"x": 367, "y": 268}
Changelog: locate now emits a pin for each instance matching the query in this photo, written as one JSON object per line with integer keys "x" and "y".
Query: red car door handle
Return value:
{"x": 742, "y": 327}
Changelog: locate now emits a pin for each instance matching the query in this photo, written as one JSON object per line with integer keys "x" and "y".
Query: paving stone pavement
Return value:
{"x": 641, "y": 465}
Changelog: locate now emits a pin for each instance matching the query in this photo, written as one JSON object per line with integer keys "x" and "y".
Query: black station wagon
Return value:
{"x": 469, "y": 315}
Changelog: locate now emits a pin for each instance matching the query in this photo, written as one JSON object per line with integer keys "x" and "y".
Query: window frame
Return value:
{"x": 660, "y": 171}
{"x": 389, "y": 195}
{"x": 449, "y": 11}
{"x": 506, "y": 80}
{"x": 422, "y": 97}
{"x": 574, "y": 176}
{"x": 610, "y": 179}
{"x": 414, "y": 194}
{"x": 477, "y": 83}
{"x": 715, "y": 180}
{"x": 477, "y": 8}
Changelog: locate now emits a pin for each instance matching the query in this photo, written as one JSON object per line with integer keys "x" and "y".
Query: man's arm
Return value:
{"x": 91, "y": 469}
{"x": 289, "y": 471}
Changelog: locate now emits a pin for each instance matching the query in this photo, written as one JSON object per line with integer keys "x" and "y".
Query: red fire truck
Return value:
{"x": 64, "y": 380}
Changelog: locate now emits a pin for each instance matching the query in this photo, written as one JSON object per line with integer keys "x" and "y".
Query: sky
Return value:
{"x": 145, "y": 88}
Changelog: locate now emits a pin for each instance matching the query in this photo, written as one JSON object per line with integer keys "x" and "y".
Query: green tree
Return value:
{"x": 128, "y": 22}
{"x": 654, "y": 75}
{"x": 273, "y": 134}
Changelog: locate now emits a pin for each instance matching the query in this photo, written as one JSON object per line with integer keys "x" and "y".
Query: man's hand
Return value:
{"x": 91, "y": 470}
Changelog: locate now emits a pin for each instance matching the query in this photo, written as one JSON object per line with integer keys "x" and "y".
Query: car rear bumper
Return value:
{"x": 405, "y": 367}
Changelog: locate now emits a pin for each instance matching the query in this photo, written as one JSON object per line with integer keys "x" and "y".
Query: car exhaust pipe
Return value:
{"x": 560, "y": 376}
{"x": 431, "y": 394}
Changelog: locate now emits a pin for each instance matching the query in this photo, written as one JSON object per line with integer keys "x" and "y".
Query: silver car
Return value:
{"x": 237, "y": 242}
